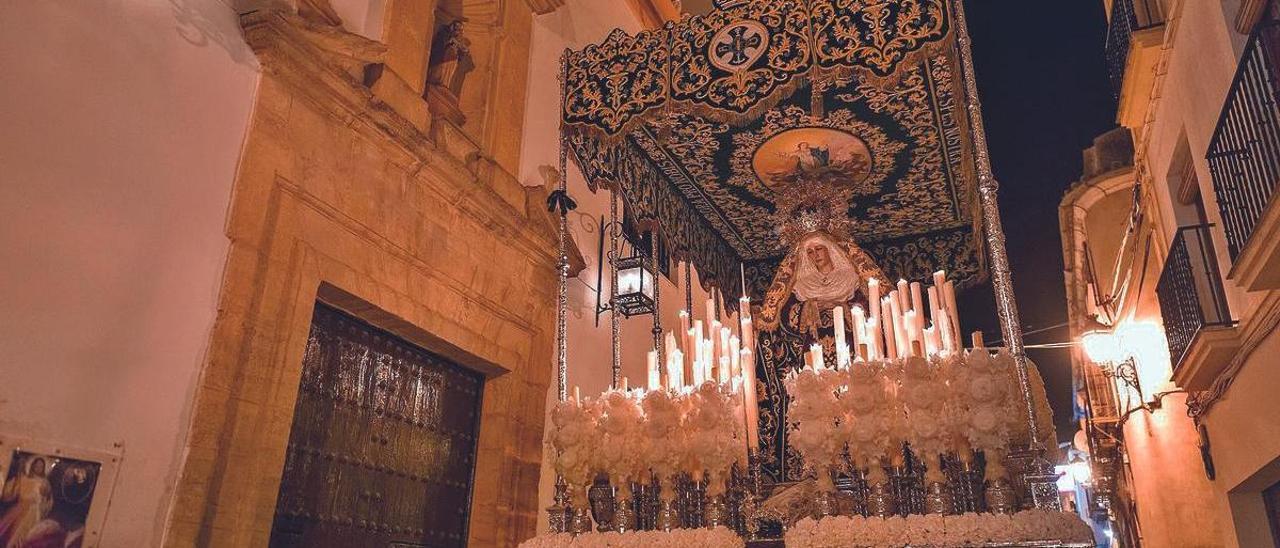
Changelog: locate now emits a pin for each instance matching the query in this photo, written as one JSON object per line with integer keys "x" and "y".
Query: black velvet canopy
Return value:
{"x": 700, "y": 125}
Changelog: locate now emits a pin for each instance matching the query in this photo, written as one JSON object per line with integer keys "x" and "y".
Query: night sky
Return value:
{"x": 1045, "y": 96}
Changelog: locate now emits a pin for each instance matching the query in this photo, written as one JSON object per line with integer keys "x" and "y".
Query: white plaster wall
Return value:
{"x": 121, "y": 122}
{"x": 578, "y": 24}
{"x": 1201, "y": 67}
{"x": 1242, "y": 427}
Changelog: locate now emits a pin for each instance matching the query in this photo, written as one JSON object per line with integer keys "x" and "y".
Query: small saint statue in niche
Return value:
{"x": 450, "y": 58}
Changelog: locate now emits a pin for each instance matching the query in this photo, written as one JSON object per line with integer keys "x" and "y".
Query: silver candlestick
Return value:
{"x": 938, "y": 499}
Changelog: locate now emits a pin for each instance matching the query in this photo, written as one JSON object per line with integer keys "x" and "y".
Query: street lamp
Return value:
{"x": 1080, "y": 470}
{"x": 1105, "y": 349}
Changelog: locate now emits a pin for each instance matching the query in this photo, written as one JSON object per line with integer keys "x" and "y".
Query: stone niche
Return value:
{"x": 341, "y": 198}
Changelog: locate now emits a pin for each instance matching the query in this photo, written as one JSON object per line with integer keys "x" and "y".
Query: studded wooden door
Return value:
{"x": 382, "y": 448}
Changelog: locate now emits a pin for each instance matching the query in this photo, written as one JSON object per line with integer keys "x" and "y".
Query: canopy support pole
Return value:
{"x": 1038, "y": 475}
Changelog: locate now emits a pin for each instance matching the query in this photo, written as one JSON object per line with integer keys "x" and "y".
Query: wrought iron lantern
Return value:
{"x": 635, "y": 283}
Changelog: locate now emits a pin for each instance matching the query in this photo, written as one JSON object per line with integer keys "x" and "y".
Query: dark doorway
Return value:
{"x": 382, "y": 448}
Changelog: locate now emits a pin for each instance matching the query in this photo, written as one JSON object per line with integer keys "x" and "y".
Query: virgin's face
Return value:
{"x": 820, "y": 256}
{"x": 37, "y": 468}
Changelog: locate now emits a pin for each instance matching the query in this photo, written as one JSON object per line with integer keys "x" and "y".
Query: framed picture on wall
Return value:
{"x": 53, "y": 496}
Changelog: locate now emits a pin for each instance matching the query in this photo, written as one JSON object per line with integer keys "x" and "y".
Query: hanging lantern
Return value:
{"x": 635, "y": 286}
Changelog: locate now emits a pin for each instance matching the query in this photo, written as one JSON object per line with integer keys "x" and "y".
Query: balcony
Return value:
{"x": 1133, "y": 49}
{"x": 1193, "y": 304}
{"x": 1244, "y": 159}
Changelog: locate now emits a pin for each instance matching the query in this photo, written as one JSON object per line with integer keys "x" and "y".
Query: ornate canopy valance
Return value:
{"x": 701, "y": 123}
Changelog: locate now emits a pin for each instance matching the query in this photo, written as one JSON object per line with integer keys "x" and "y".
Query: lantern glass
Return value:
{"x": 635, "y": 286}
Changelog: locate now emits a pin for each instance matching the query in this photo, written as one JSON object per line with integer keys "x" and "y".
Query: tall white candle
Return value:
{"x": 890, "y": 338}
{"x": 750, "y": 404}
{"x": 676, "y": 379}
{"x": 914, "y": 336}
{"x": 735, "y": 355}
{"x": 685, "y": 324}
{"x": 860, "y": 331}
{"x": 655, "y": 379}
{"x": 935, "y": 304}
{"x": 977, "y": 340}
{"x": 873, "y": 339}
{"x": 873, "y": 299}
{"x": 949, "y": 297}
{"x": 917, "y": 299}
{"x": 900, "y": 332}
{"x": 837, "y": 319}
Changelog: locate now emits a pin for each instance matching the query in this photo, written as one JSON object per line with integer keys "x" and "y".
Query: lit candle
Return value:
{"x": 890, "y": 340}
{"x": 626, "y": 384}
{"x": 873, "y": 339}
{"x": 735, "y": 354}
{"x": 977, "y": 340}
{"x": 901, "y": 334}
{"x": 577, "y": 395}
{"x": 655, "y": 379}
{"x": 917, "y": 300}
{"x": 711, "y": 307}
{"x": 913, "y": 334}
{"x": 837, "y": 318}
{"x": 930, "y": 341}
{"x": 819, "y": 361}
{"x": 943, "y": 326}
{"x": 684, "y": 323}
{"x": 676, "y": 375}
{"x": 935, "y": 304}
{"x": 860, "y": 331}
{"x": 873, "y": 298}
{"x": 949, "y": 297}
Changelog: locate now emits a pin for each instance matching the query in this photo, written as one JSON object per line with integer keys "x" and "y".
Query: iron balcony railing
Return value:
{"x": 1190, "y": 290}
{"x": 1127, "y": 17}
{"x": 1244, "y": 153}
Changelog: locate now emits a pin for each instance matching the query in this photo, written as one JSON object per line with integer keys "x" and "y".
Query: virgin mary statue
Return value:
{"x": 820, "y": 272}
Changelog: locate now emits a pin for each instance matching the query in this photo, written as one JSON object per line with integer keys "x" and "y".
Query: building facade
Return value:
{"x": 1170, "y": 251}
{"x": 235, "y": 171}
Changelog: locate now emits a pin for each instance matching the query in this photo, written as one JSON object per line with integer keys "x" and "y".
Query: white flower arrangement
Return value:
{"x": 573, "y": 439}
{"x": 934, "y": 530}
{"x": 719, "y": 537}
{"x": 923, "y": 393}
{"x": 716, "y": 434}
{"x": 952, "y": 404}
{"x": 814, "y": 411}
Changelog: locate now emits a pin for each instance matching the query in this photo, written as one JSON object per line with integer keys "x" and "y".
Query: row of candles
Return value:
{"x": 708, "y": 350}
{"x": 894, "y": 325}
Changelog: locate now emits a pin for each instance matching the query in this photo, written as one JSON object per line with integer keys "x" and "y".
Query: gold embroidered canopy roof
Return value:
{"x": 701, "y": 125}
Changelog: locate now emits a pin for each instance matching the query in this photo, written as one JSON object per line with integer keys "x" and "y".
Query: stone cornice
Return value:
{"x": 321, "y": 65}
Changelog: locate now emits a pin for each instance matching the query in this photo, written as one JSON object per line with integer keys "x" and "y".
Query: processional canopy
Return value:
{"x": 705, "y": 124}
